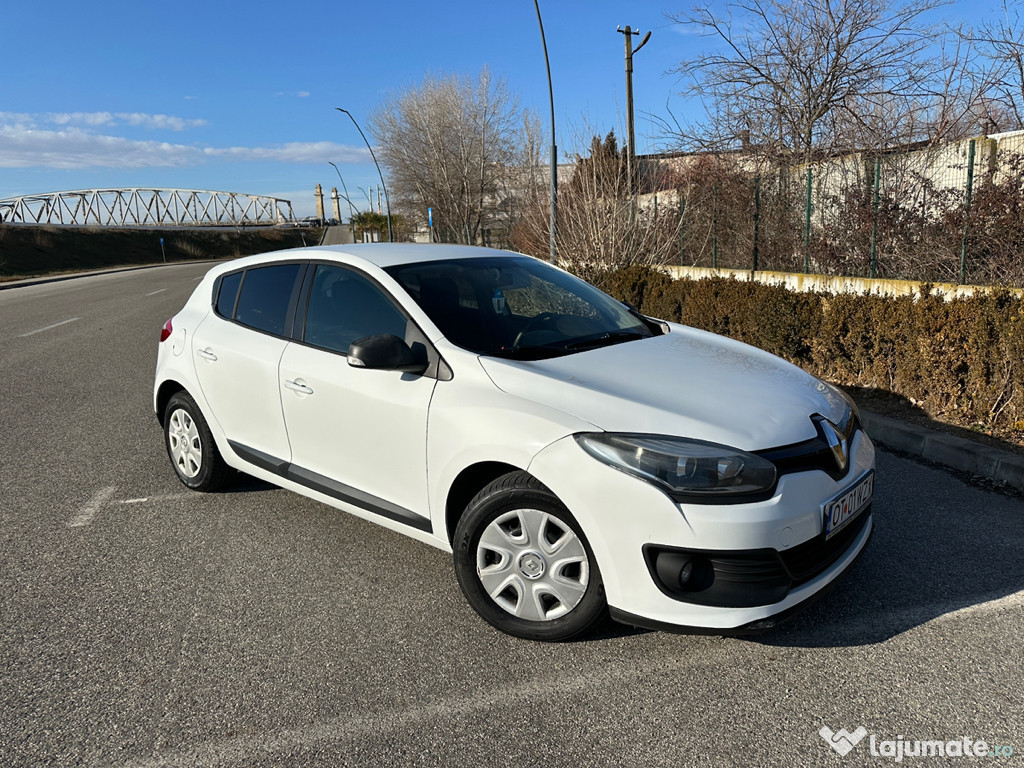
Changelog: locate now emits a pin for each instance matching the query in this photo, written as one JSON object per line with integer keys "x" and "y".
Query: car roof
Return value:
{"x": 377, "y": 254}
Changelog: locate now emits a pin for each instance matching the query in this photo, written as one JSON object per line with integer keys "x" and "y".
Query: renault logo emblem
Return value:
{"x": 836, "y": 441}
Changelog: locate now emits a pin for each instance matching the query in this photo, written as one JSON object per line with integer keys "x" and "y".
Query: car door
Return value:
{"x": 356, "y": 434}
{"x": 237, "y": 351}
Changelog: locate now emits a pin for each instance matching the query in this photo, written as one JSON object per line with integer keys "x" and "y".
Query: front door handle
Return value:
{"x": 206, "y": 354}
{"x": 298, "y": 386}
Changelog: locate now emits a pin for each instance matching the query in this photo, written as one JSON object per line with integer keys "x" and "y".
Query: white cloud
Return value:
{"x": 294, "y": 152}
{"x": 101, "y": 119}
{"x": 24, "y": 146}
{"x": 159, "y": 122}
{"x": 74, "y": 148}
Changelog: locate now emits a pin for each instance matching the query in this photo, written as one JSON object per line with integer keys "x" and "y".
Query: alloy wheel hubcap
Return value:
{"x": 532, "y": 565}
{"x": 185, "y": 446}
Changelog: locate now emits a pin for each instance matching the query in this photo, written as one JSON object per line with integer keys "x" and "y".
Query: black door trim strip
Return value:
{"x": 333, "y": 488}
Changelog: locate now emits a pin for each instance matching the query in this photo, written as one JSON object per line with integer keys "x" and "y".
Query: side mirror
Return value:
{"x": 387, "y": 352}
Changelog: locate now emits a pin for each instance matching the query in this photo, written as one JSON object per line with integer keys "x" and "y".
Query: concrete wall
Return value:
{"x": 827, "y": 284}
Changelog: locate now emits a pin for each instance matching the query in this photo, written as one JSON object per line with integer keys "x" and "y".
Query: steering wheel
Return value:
{"x": 535, "y": 324}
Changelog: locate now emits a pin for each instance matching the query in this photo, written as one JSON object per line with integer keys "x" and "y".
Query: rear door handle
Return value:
{"x": 206, "y": 354}
{"x": 298, "y": 386}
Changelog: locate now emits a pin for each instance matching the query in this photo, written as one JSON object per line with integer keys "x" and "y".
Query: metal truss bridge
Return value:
{"x": 146, "y": 208}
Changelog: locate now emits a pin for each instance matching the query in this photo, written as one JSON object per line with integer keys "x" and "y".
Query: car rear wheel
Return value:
{"x": 191, "y": 447}
{"x": 524, "y": 564}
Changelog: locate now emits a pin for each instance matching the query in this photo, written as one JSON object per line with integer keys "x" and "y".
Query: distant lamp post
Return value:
{"x": 553, "y": 185}
{"x": 631, "y": 151}
{"x": 387, "y": 199}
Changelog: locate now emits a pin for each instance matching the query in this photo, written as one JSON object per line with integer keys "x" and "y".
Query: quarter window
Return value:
{"x": 228, "y": 293}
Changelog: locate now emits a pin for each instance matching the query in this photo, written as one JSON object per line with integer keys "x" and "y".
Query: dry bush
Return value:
{"x": 606, "y": 220}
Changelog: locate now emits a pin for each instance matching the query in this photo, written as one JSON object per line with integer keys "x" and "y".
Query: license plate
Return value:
{"x": 845, "y": 508}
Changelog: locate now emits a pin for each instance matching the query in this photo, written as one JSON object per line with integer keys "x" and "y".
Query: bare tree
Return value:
{"x": 1001, "y": 46}
{"x": 603, "y": 223}
{"x": 805, "y": 76}
{"x": 455, "y": 145}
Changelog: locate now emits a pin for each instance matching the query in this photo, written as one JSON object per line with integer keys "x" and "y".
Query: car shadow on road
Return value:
{"x": 937, "y": 548}
{"x": 243, "y": 483}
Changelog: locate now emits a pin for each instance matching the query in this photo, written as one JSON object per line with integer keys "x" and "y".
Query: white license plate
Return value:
{"x": 841, "y": 510}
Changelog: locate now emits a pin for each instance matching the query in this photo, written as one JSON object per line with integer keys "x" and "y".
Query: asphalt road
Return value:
{"x": 141, "y": 625}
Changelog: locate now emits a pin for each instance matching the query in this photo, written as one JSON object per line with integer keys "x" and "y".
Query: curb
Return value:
{"x": 947, "y": 450}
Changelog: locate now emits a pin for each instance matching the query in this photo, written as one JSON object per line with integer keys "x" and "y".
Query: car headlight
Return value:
{"x": 852, "y": 409}
{"x": 689, "y": 470}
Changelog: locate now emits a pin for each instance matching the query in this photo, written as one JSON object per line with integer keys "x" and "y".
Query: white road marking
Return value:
{"x": 154, "y": 293}
{"x": 88, "y": 512}
{"x": 48, "y": 327}
{"x": 161, "y": 497}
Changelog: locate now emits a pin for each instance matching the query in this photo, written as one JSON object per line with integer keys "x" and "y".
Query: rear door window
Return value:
{"x": 266, "y": 297}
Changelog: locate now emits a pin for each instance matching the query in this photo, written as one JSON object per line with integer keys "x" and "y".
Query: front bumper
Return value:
{"x": 769, "y": 558}
{"x": 757, "y": 625}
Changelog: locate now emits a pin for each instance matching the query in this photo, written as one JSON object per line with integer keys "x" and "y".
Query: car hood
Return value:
{"x": 688, "y": 383}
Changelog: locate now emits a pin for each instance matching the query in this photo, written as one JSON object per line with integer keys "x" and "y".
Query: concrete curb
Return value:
{"x": 948, "y": 450}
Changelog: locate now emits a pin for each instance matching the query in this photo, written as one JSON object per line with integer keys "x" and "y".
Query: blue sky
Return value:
{"x": 239, "y": 96}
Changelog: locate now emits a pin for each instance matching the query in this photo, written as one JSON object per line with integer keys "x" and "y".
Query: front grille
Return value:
{"x": 811, "y": 454}
{"x": 807, "y": 560}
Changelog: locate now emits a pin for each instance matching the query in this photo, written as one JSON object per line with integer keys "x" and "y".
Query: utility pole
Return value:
{"x": 631, "y": 139}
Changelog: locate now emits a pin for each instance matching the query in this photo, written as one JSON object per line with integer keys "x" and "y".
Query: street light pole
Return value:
{"x": 387, "y": 199}
{"x": 553, "y": 162}
{"x": 631, "y": 146}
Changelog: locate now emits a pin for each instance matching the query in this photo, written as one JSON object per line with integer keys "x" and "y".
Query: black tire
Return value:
{"x": 191, "y": 447}
{"x": 516, "y": 536}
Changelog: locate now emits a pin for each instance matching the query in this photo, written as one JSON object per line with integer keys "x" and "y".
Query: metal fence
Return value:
{"x": 950, "y": 213}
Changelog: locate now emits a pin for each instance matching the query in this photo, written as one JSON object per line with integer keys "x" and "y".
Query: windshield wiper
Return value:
{"x": 529, "y": 352}
{"x": 606, "y": 339}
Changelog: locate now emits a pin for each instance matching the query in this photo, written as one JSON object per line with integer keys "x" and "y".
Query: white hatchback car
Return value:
{"x": 575, "y": 456}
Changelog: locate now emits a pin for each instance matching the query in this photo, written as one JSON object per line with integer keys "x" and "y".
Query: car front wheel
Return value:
{"x": 524, "y": 564}
{"x": 190, "y": 445}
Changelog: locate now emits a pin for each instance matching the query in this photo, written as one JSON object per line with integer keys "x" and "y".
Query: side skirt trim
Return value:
{"x": 332, "y": 488}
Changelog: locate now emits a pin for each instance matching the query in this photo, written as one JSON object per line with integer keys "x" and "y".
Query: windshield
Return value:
{"x": 517, "y": 307}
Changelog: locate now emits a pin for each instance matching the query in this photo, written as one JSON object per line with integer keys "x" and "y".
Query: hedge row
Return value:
{"x": 962, "y": 361}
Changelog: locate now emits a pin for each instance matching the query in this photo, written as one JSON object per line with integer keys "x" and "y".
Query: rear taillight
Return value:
{"x": 166, "y": 331}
